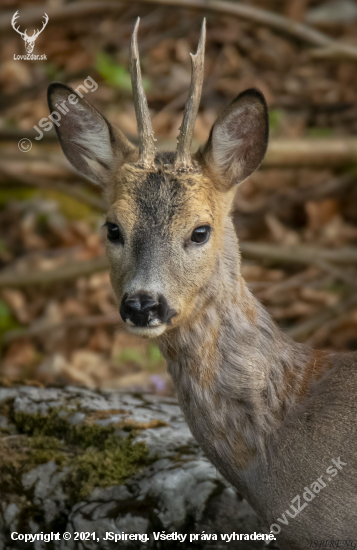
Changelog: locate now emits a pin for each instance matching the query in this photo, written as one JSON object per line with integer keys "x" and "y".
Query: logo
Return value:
{"x": 29, "y": 40}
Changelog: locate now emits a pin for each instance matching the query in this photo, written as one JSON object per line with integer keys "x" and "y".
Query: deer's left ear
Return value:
{"x": 238, "y": 139}
{"x": 89, "y": 141}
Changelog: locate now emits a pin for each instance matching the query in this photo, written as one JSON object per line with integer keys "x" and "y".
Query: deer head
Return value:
{"x": 168, "y": 221}
{"x": 29, "y": 40}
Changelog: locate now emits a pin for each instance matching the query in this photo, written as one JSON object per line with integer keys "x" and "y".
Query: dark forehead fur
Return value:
{"x": 159, "y": 196}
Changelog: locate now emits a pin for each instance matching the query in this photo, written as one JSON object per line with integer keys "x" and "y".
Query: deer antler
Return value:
{"x": 13, "y": 21}
{"x": 146, "y": 135}
{"x": 183, "y": 156}
{"x": 36, "y": 33}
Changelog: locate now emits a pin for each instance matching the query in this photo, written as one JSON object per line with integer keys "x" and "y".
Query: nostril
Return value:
{"x": 133, "y": 304}
{"x": 140, "y": 305}
{"x": 148, "y": 304}
{"x": 142, "y": 310}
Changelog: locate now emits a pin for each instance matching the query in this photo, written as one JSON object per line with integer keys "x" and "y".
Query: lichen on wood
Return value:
{"x": 78, "y": 460}
{"x": 93, "y": 455}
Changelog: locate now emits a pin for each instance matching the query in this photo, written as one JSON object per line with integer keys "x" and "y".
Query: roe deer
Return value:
{"x": 275, "y": 417}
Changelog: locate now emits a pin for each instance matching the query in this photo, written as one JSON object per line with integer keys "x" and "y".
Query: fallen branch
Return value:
{"x": 336, "y": 272}
{"x": 37, "y": 166}
{"x": 299, "y": 254}
{"x": 67, "y": 12}
{"x": 285, "y": 203}
{"x": 282, "y": 153}
{"x": 303, "y": 254}
{"x": 14, "y": 279}
{"x": 59, "y": 13}
{"x": 267, "y": 18}
{"x": 38, "y": 329}
{"x": 319, "y": 336}
{"x": 71, "y": 190}
{"x": 15, "y": 134}
{"x": 303, "y": 330}
{"x": 311, "y": 152}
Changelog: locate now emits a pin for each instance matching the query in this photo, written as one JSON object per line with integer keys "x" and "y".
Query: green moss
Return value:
{"x": 7, "y": 320}
{"x": 69, "y": 207}
{"x": 276, "y": 117}
{"x": 111, "y": 465}
{"x": 114, "y": 74}
{"x": 129, "y": 354}
{"x": 154, "y": 354}
{"x": 317, "y": 132}
{"x": 55, "y": 424}
{"x": 7, "y": 195}
{"x": 43, "y": 449}
{"x": 149, "y": 359}
{"x": 94, "y": 456}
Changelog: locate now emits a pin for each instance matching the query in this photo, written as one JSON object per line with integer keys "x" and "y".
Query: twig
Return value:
{"x": 14, "y": 279}
{"x": 72, "y": 190}
{"x": 327, "y": 328}
{"x": 38, "y": 166}
{"x": 303, "y": 254}
{"x": 282, "y": 153}
{"x": 268, "y": 19}
{"x": 285, "y": 203}
{"x": 295, "y": 281}
{"x": 15, "y": 134}
{"x": 38, "y": 329}
{"x": 303, "y": 330}
{"x": 59, "y": 13}
{"x": 306, "y": 34}
{"x": 336, "y": 272}
{"x": 311, "y": 152}
{"x": 299, "y": 254}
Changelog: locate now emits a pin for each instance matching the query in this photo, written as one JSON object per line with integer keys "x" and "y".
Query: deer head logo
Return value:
{"x": 29, "y": 40}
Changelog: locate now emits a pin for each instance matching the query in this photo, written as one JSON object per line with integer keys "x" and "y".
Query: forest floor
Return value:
{"x": 58, "y": 330}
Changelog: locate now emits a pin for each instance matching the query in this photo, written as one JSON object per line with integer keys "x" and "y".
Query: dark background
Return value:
{"x": 296, "y": 217}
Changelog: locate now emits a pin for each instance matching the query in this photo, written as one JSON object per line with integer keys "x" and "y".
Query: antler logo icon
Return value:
{"x": 29, "y": 40}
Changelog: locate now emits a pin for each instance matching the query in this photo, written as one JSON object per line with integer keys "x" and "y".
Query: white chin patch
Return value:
{"x": 146, "y": 332}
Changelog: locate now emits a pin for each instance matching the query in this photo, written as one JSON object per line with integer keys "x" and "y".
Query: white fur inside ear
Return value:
{"x": 232, "y": 137}
{"x": 93, "y": 139}
{"x": 225, "y": 147}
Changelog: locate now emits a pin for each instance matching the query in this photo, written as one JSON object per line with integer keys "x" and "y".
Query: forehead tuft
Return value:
{"x": 162, "y": 197}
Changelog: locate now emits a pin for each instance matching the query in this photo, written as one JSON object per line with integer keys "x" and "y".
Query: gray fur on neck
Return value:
{"x": 241, "y": 384}
{"x": 233, "y": 366}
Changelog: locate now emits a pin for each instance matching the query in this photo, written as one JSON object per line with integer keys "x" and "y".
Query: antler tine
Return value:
{"x": 146, "y": 135}
{"x": 13, "y": 21}
{"x": 44, "y": 23}
{"x": 183, "y": 155}
{"x": 14, "y": 18}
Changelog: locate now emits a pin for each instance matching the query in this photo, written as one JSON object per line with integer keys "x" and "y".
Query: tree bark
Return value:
{"x": 165, "y": 481}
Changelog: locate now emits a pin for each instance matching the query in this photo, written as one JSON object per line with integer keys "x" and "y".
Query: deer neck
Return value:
{"x": 235, "y": 372}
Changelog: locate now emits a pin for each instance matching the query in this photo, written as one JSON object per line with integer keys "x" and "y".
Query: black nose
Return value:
{"x": 143, "y": 310}
{"x": 140, "y": 304}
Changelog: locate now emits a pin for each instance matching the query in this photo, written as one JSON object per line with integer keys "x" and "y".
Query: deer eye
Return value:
{"x": 201, "y": 234}
{"x": 114, "y": 233}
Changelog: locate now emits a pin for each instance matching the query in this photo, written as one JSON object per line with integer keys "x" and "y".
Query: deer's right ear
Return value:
{"x": 238, "y": 139}
{"x": 87, "y": 139}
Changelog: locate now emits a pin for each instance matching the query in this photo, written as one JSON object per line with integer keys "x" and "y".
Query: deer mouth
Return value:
{"x": 149, "y": 331}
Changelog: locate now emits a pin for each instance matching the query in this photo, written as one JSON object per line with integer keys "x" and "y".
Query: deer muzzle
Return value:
{"x": 145, "y": 314}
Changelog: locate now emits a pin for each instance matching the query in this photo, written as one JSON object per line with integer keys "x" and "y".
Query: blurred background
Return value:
{"x": 296, "y": 218}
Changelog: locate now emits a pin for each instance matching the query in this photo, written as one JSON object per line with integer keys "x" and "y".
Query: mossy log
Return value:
{"x": 74, "y": 460}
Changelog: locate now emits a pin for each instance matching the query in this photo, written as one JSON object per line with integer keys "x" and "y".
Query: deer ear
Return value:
{"x": 87, "y": 139}
{"x": 239, "y": 138}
